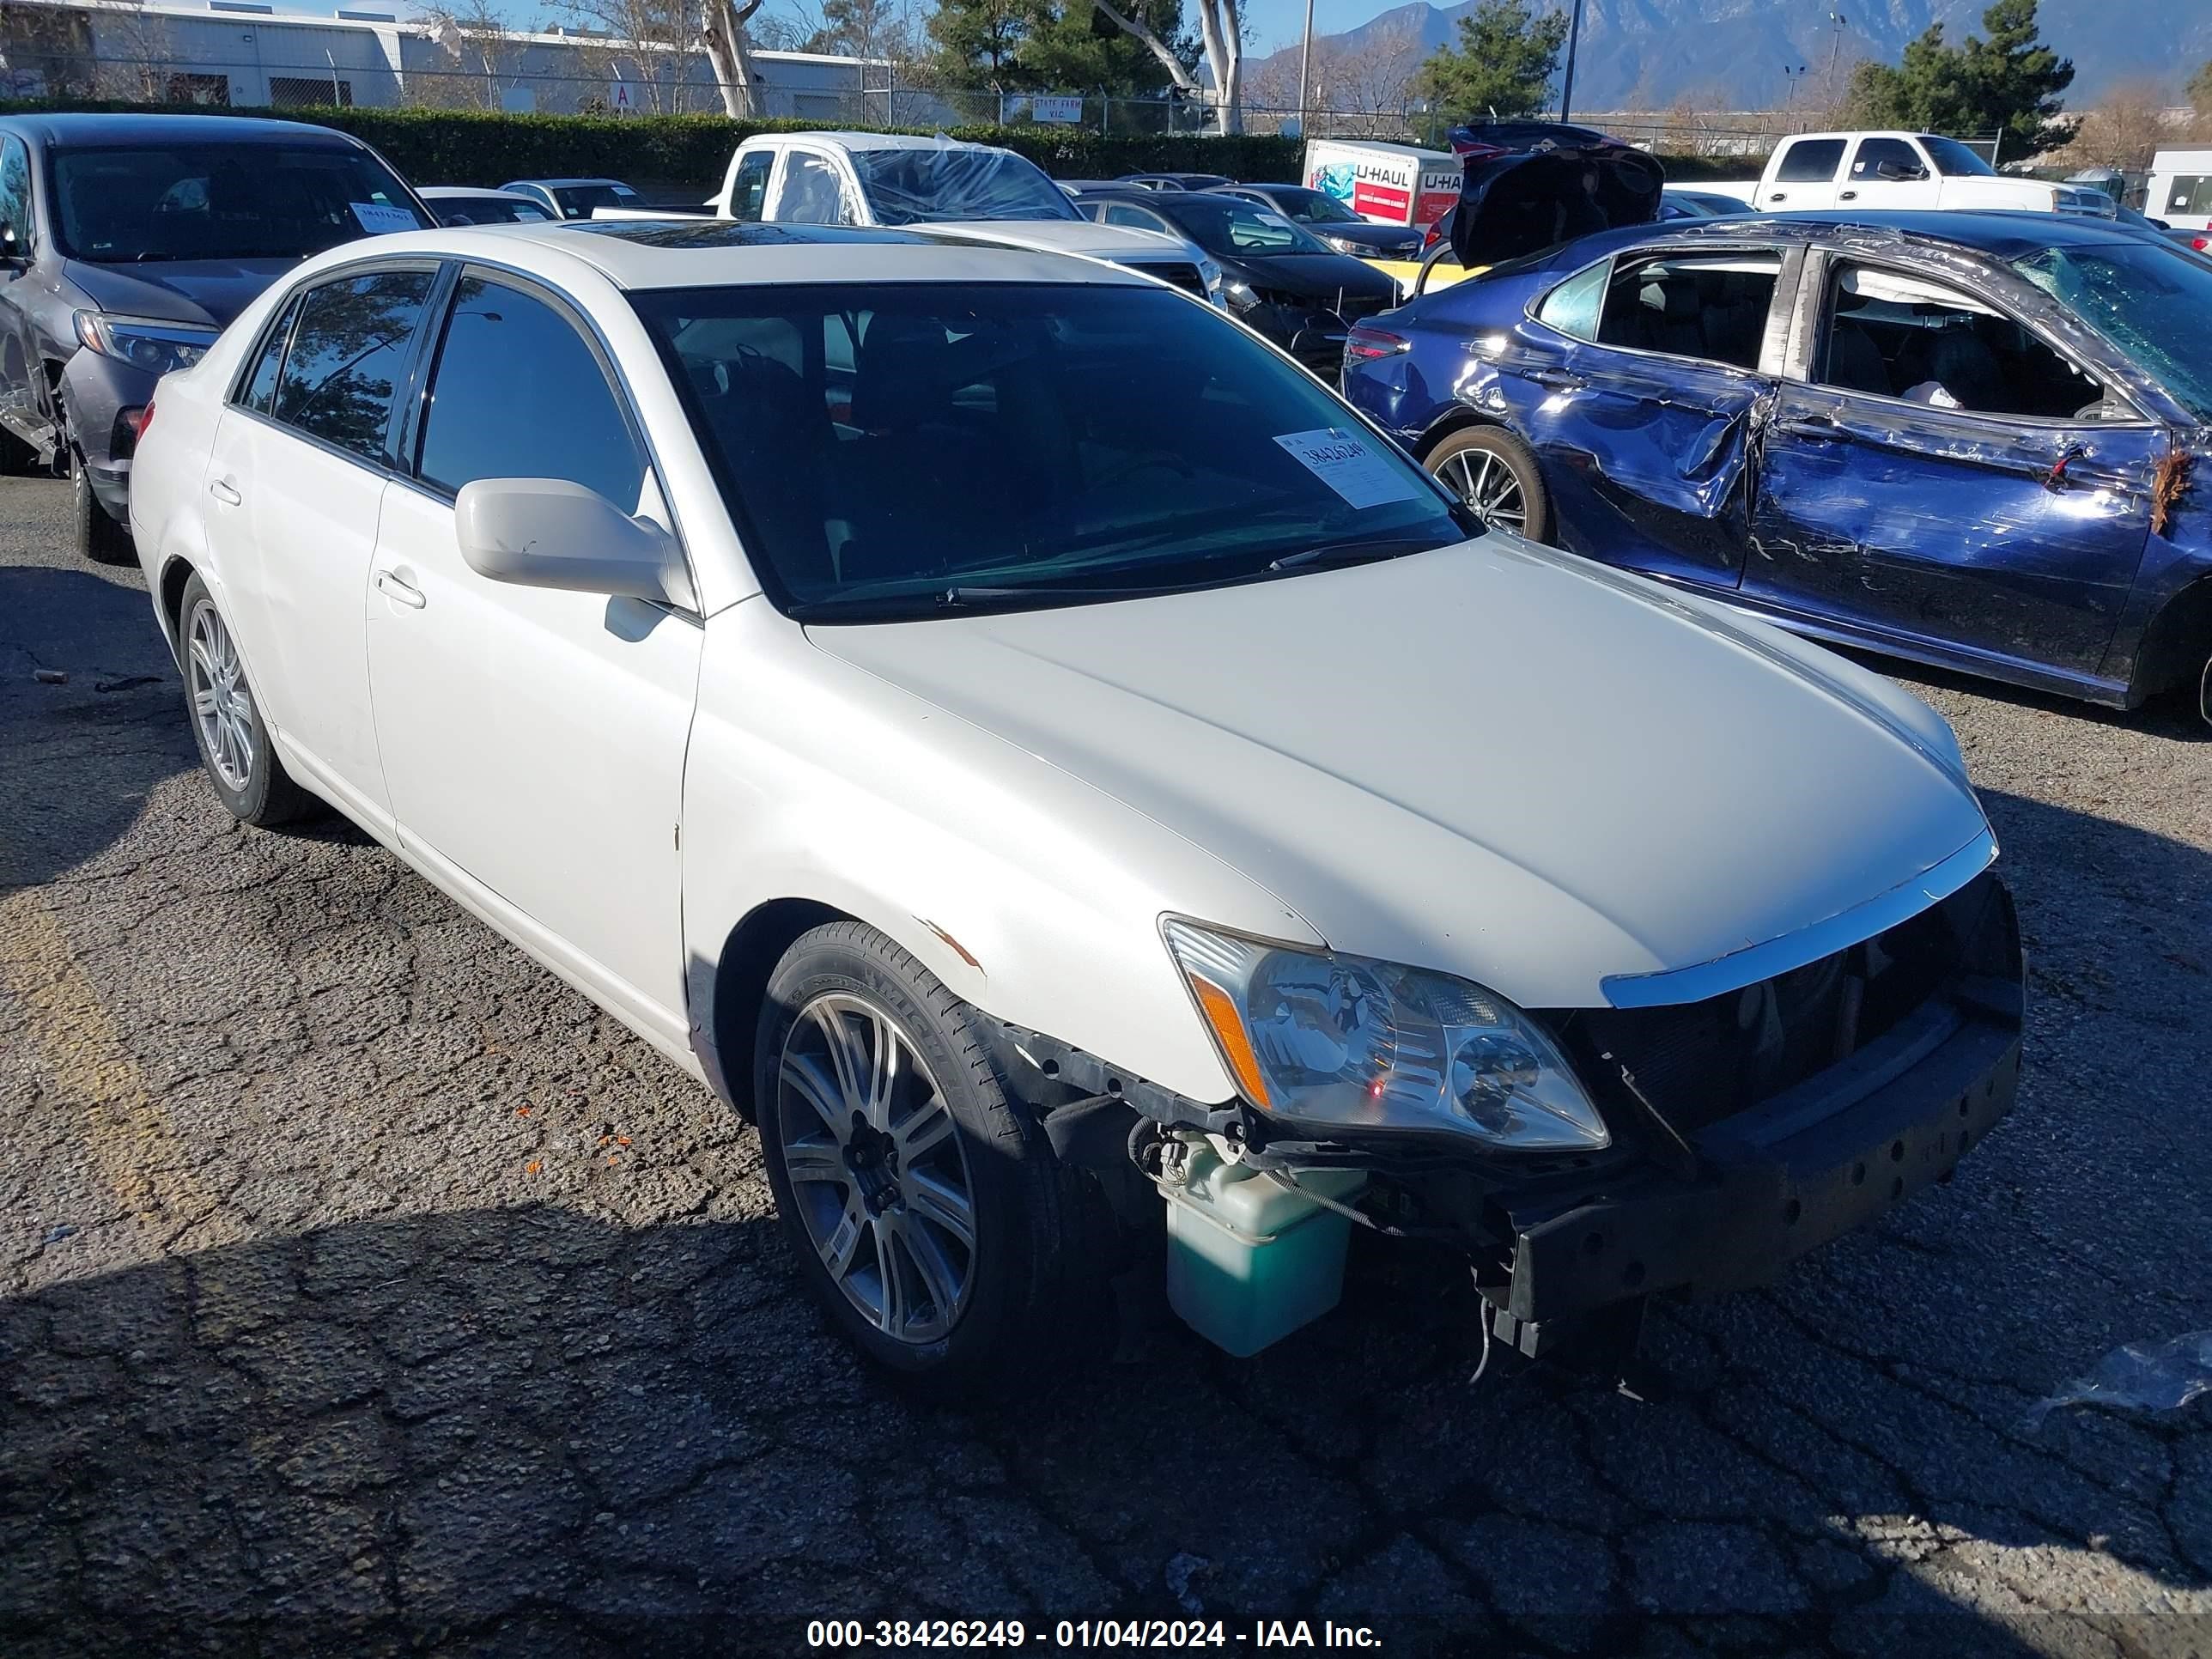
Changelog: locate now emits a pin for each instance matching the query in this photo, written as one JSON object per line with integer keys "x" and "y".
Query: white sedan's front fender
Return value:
{"x": 1030, "y": 894}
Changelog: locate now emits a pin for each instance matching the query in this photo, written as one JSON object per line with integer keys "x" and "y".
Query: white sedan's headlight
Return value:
{"x": 1351, "y": 1043}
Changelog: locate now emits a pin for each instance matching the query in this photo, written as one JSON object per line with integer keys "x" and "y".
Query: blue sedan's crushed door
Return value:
{"x": 1948, "y": 530}
{"x": 1647, "y": 457}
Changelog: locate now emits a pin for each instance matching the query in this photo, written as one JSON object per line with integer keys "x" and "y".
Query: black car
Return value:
{"x": 127, "y": 243}
{"x": 1331, "y": 220}
{"x": 1275, "y": 275}
{"x": 1175, "y": 180}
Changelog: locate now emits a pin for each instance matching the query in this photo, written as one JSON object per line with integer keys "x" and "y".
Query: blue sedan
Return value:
{"x": 1975, "y": 440}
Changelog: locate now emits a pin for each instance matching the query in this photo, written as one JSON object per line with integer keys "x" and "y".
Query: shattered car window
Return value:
{"x": 1895, "y": 334}
{"x": 2151, "y": 301}
{"x": 919, "y": 186}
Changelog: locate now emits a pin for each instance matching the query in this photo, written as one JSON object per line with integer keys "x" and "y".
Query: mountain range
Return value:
{"x": 1731, "y": 54}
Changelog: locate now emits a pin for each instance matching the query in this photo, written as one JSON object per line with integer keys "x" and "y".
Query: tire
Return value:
{"x": 944, "y": 1153}
{"x": 96, "y": 536}
{"x": 1491, "y": 463}
{"x": 235, "y": 749}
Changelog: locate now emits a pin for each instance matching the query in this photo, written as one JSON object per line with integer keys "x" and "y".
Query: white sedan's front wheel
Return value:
{"x": 931, "y": 1222}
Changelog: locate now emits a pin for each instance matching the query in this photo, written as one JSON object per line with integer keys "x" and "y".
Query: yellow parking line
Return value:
{"x": 89, "y": 1071}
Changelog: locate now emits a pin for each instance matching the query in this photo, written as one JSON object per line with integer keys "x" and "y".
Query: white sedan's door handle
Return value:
{"x": 396, "y": 587}
{"x": 223, "y": 491}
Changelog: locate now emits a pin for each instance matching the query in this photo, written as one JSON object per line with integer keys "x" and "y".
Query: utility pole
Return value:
{"x": 1566, "y": 85}
{"x": 1305, "y": 74}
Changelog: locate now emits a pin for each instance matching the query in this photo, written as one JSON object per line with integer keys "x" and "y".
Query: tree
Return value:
{"x": 2008, "y": 83}
{"x": 2200, "y": 96}
{"x": 979, "y": 42}
{"x": 1503, "y": 64}
{"x": 1082, "y": 47}
{"x": 1221, "y": 34}
{"x": 2123, "y": 131}
{"x": 485, "y": 59}
{"x": 649, "y": 43}
{"x": 867, "y": 29}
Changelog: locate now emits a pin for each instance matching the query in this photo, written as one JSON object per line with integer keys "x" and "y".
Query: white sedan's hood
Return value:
{"x": 1119, "y": 243}
{"x": 1490, "y": 759}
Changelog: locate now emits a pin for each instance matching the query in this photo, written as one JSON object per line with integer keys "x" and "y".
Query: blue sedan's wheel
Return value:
{"x": 1495, "y": 474}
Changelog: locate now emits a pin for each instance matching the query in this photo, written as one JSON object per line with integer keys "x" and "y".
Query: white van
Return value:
{"x": 2181, "y": 190}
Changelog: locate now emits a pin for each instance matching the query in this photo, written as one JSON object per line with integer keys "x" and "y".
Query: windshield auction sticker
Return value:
{"x": 1350, "y": 464}
{"x": 376, "y": 218}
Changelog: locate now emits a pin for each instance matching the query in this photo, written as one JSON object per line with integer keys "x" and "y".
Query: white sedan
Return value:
{"x": 1072, "y": 783}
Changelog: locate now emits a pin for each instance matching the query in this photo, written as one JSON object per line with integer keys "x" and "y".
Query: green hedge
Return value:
{"x": 478, "y": 147}
{"x": 691, "y": 152}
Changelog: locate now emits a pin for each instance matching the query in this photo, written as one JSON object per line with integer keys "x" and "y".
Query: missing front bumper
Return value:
{"x": 1805, "y": 1168}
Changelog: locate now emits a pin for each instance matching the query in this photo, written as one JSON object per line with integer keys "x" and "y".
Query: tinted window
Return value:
{"x": 1312, "y": 207}
{"x": 487, "y": 210}
{"x": 748, "y": 190}
{"x": 1810, "y": 161}
{"x": 812, "y": 194}
{"x": 2190, "y": 195}
{"x": 1953, "y": 159}
{"x": 577, "y": 201}
{"x": 1713, "y": 306}
{"x": 1132, "y": 218}
{"x": 852, "y": 465}
{"x": 1897, "y": 334}
{"x": 517, "y": 394}
{"x": 348, "y": 354}
{"x": 222, "y": 201}
{"x": 1222, "y": 224}
{"x": 1873, "y": 152}
{"x": 260, "y": 392}
{"x": 15, "y": 191}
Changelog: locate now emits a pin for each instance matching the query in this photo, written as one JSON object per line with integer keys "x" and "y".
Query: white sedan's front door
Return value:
{"x": 533, "y": 740}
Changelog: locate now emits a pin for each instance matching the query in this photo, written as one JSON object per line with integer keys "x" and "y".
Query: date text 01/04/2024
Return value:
{"x": 1012, "y": 1634}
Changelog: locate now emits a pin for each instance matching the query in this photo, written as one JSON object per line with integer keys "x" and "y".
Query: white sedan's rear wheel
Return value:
{"x": 233, "y": 741}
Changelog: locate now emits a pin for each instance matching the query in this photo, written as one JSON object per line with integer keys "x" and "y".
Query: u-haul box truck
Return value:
{"x": 1389, "y": 184}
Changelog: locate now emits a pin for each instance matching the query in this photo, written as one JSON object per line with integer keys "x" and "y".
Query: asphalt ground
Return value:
{"x": 363, "y": 1290}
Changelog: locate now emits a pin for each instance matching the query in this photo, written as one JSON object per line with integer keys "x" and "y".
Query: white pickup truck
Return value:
{"x": 1886, "y": 170}
{"x": 978, "y": 190}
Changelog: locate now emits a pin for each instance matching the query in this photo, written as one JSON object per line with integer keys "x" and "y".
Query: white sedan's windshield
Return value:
{"x": 920, "y": 186}
{"x": 896, "y": 450}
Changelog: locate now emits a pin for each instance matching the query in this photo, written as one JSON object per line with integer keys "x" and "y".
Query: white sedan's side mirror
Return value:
{"x": 548, "y": 532}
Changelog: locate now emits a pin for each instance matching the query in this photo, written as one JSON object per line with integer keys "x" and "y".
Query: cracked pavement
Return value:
{"x": 363, "y": 1290}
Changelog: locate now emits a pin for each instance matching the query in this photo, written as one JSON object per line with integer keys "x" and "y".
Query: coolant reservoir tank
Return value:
{"x": 1250, "y": 1260}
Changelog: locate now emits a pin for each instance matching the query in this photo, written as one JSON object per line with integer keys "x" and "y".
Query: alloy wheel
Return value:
{"x": 1486, "y": 484}
{"x": 221, "y": 702}
{"x": 877, "y": 1169}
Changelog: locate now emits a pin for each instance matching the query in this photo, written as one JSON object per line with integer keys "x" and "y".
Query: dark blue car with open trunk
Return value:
{"x": 1975, "y": 440}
